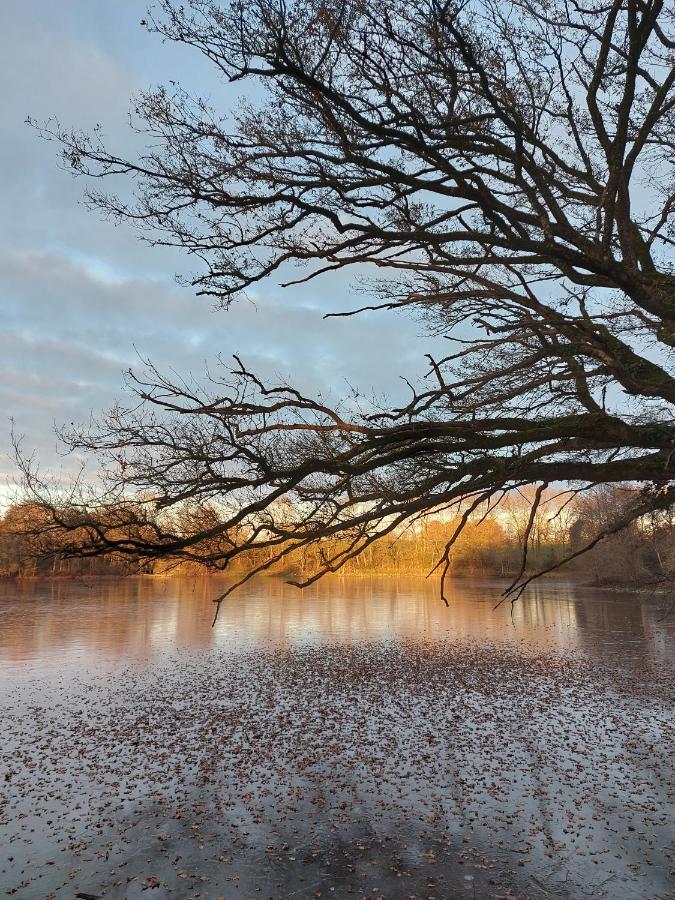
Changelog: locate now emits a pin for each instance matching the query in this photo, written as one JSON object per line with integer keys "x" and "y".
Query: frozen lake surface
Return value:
{"x": 357, "y": 739}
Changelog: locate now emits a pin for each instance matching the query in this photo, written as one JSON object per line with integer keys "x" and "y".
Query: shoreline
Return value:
{"x": 645, "y": 592}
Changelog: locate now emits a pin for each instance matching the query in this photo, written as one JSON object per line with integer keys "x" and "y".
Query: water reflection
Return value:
{"x": 69, "y": 625}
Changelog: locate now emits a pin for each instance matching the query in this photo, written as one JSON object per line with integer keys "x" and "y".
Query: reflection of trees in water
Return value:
{"x": 137, "y": 617}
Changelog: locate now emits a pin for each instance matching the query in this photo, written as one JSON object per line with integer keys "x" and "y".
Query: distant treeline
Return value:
{"x": 491, "y": 544}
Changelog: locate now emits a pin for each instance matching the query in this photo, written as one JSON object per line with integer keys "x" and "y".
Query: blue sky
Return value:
{"x": 80, "y": 297}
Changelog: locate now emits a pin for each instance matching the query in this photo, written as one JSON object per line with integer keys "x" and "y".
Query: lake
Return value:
{"x": 356, "y": 739}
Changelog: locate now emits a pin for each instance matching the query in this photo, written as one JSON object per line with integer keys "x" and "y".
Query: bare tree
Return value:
{"x": 506, "y": 169}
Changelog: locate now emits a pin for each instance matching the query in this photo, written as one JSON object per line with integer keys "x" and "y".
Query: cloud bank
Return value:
{"x": 81, "y": 299}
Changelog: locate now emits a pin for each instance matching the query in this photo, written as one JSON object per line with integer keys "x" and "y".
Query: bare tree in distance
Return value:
{"x": 506, "y": 169}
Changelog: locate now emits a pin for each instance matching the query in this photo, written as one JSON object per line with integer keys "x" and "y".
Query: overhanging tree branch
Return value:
{"x": 505, "y": 168}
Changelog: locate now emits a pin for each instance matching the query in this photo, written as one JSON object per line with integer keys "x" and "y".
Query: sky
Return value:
{"x": 81, "y": 298}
